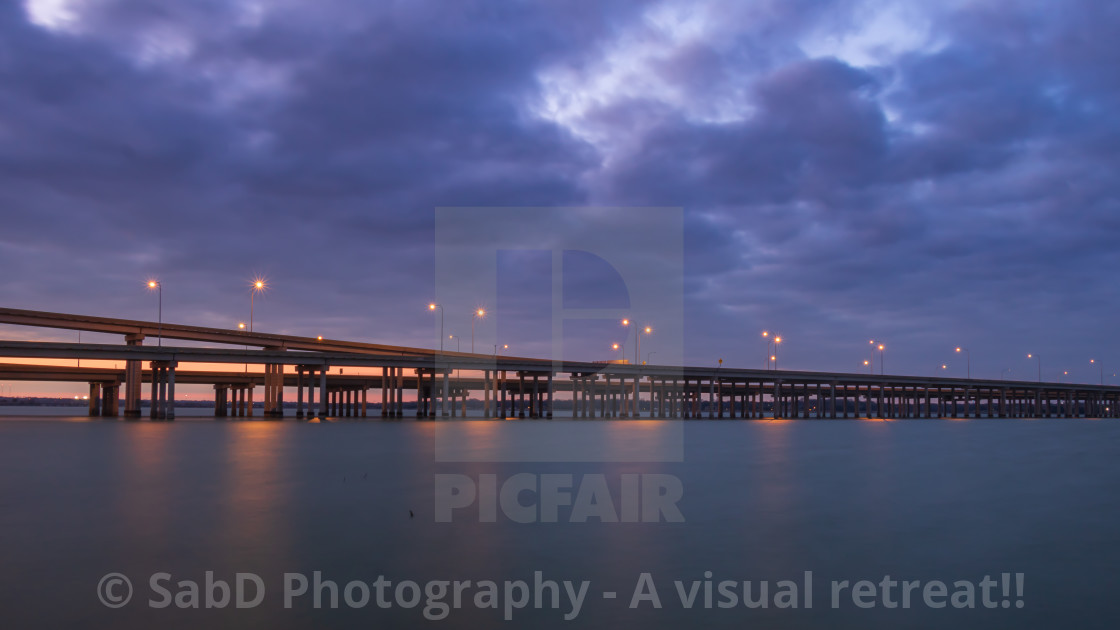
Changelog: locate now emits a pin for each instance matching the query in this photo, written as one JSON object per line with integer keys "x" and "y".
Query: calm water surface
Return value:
{"x": 847, "y": 500}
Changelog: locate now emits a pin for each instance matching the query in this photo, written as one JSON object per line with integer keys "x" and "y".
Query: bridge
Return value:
{"x": 508, "y": 386}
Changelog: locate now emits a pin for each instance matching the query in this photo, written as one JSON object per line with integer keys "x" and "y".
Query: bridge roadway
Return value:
{"x": 517, "y": 386}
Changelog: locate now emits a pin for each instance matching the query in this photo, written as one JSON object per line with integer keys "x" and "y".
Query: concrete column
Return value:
{"x": 400, "y": 392}
{"x": 486, "y": 393}
{"x": 170, "y": 400}
{"x": 777, "y": 411}
{"x": 323, "y": 391}
{"x": 444, "y": 411}
{"x": 110, "y": 399}
{"x": 551, "y": 391}
{"x": 153, "y": 397}
{"x": 521, "y": 395}
{"x": 94, "y": 399}
{"x": 502, "y": 390}
{"x": 299, "y": 391}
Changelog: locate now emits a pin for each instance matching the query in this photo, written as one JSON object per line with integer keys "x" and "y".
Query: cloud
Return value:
{"x": 931, "y": 175}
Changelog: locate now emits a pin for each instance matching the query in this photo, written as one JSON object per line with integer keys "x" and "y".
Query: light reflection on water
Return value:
{"x": 764, "y": 500}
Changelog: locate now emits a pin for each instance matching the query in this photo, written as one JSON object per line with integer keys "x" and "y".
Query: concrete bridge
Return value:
{"x": 518, "y": 387}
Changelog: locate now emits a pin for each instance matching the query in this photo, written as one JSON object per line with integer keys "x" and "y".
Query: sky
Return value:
{"x": 927, "y": 175}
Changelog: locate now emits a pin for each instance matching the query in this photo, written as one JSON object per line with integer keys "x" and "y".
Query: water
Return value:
{"x": 847, "y": 500}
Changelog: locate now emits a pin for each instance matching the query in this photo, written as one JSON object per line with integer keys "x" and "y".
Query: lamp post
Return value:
{"x": 458, "y": 347}
{"x": 774, "y": 357}
{"x": 869, "y": 368}
{"x": 1101, "y": 366}
{"x": 968, "y": 358}
{"x": 769, "y": 342}
{"x": 638, "y": 339}
{"x": 621, "y": 347}
{"x": 872, "y": 364}
{"x": 241, "y": 327}
{"x": 1031, "y": 356}
{"x": 431, "y": 307}
{"x": 881, "y": 362}
{"x": 505, "y": 346}
{"x": 258, "y": 287}
{"x": 156, "y": 285}
{"x": 479, "y": 314}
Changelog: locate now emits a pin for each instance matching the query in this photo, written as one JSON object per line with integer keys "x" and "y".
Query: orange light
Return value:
{"x": 958, "y": 349}
{"x": 431, "y": 307}
{"x": 944, "y": 367}
{"x": 1030, "y": 356}
{"x": 152, "y": 284}
{"x": 773, "y": 358}
{"x": 481, "y": 312}
{"x": 880, "y": 346}
{"x": 865, "y": 361}
{"x": 241, "y": 325}
{"x": 777, "y": 340}
{"x": 648, "y": 330}
{"x": 765, "y": 333}
{"x": 320, "y": 337}
{"x": 614, "y": 346}
{"x": 625, "y": 322}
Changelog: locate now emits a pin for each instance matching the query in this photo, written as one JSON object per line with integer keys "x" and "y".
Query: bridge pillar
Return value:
{"x": 299, "y": 392}
{"x": 400, "y": 392}
{"x": 551, "y": 391}
{"x": 133, "y": 372}
{"x": 94, "y": 399}
{"x": 444, "y": 411}
{"x": 777, "y": 411}
{"x": 110, "y": 399}
{"x": 521, "y": 395}
{"x": 153, "y": 397}
{"x": 169, "y": 399}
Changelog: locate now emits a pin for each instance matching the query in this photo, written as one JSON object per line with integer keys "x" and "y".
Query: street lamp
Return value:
{"x": 881, "y": 347}
{"x": 872, "y": 364}
{"x": 621, "y": 348}
{"x": 968, "y": 357}
{"x": 1031, "y": 356}
{"x": 156, "y": 285}
{"x": 259, "y": 286}
{"x": 458, "y": 348}
{"x": 1101, "y": 366}
{"x": 431, "y": 307}
{"x": 479, "y": 314}
{"x": 774, "y": 357}
{"x": 638, "y": 339}
{"x": 769, "y": 345}
{"x": 505, "y": 346}
{"x": 868, "y": 364}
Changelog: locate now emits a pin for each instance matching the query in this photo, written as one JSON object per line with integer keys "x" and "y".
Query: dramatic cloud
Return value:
{"x": 927, "y": 175}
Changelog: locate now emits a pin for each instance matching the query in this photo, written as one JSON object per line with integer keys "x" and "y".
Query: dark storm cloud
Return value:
{"x": 958, "y": 188}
